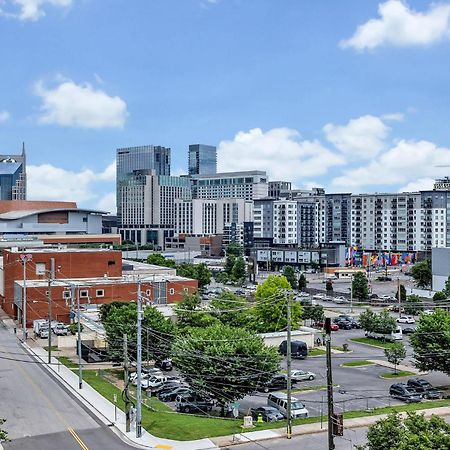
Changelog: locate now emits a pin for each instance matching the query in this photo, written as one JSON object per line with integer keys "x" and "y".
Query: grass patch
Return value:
{"x": 187, "y": 427}
{"x": 398, "y": 374}
{"x": 340, "y": 348}
{"x": 373, "y": 342}
{"x": 316, "y": 352}
{"x": 67, "y": 362}
{"x": 357, "y": 363}
{"x": 53, "y": 347}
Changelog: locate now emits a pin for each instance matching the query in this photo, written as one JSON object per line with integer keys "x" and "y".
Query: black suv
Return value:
{"x": 424, "y": 387}
{"x": 164, "y": 364}
{"x": 405, "y": 393}
{"x": 277, "y": 382}
{"x": 343, "y": 324}
{"x": 190, "y": 403}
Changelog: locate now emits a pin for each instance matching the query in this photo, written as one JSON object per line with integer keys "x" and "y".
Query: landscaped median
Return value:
{"x": 398, "y": 374}
{"x": 357, "y": 363}
{"x": 159, "y": 420}
{"x": 373, "y": 342}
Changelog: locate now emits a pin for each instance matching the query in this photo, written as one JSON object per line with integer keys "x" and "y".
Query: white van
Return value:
{"x": 278, "y": 400}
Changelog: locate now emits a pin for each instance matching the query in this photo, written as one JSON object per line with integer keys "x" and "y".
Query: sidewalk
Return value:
{"x": 312, "y": 428}
{"x": 400, "y": 367}
{"x": 104, "y": 409}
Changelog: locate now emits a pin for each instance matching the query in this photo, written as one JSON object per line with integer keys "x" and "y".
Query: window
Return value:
{"x": 171, "y": 291}
{"x": 186, "y": 290}
{"x": 148, "y": 292}
{"x": 66, "y": 294}
{"x": 40, "y": 268}
{"x": 84, "y": 293}
{"x": 99, "y": 293}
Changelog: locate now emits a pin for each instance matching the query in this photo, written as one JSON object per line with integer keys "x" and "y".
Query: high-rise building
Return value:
{"x": 249, "y": 185}
{"x": 13, "y": 181}
{"x": 277, "y": 187}
{"x": 132, "y": 165}
{"x": 202, "y": 159}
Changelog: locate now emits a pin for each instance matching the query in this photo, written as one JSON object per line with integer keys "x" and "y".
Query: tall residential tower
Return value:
{"x": 202, "y": 159}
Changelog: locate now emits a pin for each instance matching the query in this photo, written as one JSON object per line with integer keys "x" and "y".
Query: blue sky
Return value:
{"x": 351, "y": 95}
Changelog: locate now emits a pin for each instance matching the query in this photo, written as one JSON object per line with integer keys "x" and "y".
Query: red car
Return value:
{"x": 334, "y": 326}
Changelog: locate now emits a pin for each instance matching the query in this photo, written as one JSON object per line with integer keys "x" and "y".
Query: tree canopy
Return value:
{"x": 360, "y": 286}
{"x": 199, "y": 272}
{"x": 431, "y": 342}
{"x": 271, "y": 305}
{"x": 395, "y": 354}
{"x": 232, "y": 310}
{"x": 223, "y": 362}
{"x": 158, "y": 260}
{"x": 191, "y": 314}
{"x": 234, "y": 249}
{"x": 413, "y": 433}
{"x": 381, "y": 323}
{"x": 421, "y": 272}
{"x": 413, "y": 304}
{"x": 302, "y": 282}
{"x": 289, "y": 274}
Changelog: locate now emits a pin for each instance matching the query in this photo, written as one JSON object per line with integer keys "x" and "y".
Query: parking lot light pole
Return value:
{"x": 289, "y": 361}
{"x": 351, "y": 293}
{"x": 51, "y": 276}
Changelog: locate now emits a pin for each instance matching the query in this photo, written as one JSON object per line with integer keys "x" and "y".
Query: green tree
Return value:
{"x": 402, "y": 293}
{"x": 191, "y": 314}
{"x": 123, "y": 320}
{"x": 199, "y": 272}
{"x": 106, "y": 308}
{"x": 234, "y": 249}
{"x": 239, "y": 271}
{"x": 302, "y": 282}
{"x": 329, "y": 286}
{"x": 413, "y": 304}
{"x": 381, "y": 323}
{"x": 431, "y": 342}
{"x": 395, "y": 354}
{"x": 223, "y": 362}
{"x": 314, "y": 313}
{"x": 271, "y": 305}
{"x": 158, "y": 260}
{"x": 421, "y": 272}
{"x": 3, "y": 433}
{"x": 229, "y": 264}
{"x": 439, "y": 296}
{"x": 232, "y": 310}
{"x": 289, "y": 273}
{"x": 368, "y": 320}
{"x": 360, "y": 286}
{"x": 413, "y": 433}
{"x": 446, "y": 289}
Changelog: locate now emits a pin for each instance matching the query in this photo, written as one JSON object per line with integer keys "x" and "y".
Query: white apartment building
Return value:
{"x": 285, "y": 222}
{"x": 249, "y": 185}
{"x": 209, "y": 217}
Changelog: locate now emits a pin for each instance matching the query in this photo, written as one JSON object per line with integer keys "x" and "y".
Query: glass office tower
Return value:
{"x": 202, "y": 159}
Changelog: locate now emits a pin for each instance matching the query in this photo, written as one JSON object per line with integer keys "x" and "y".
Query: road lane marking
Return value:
{"x": 77, "y": 438}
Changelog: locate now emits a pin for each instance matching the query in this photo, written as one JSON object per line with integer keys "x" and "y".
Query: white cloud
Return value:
{"x": 4, "y": 116}
{"x": 395, "y": 117}
{"x": 108, "y": 203}
{"x": 30, "y": 10}
{"x": 47, "y": 182}
{"x": 406, "y": 162}
{"x": 401, "y": 26}
{"x": 279, "y": 151}
{"x": 83, "y": 106}
{"x": 361, "y": 138}
{"x": 422, "y": 184}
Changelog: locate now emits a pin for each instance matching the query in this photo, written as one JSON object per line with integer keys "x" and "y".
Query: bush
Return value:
{"x": 439, "y": 296}
{"x": 73, "y": 327}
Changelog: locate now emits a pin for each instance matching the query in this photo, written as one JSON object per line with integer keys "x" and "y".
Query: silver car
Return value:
{"x": 301, "y": 375}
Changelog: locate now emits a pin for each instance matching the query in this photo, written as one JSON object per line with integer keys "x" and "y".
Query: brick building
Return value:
{"x": 97, "y": 274}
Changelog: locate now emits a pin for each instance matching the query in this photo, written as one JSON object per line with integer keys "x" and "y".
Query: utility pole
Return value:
{"x": 80, "y": 370}
{"x": 351, "y": 293}
{"x": 25, "y": 259}
{"x": 399, "y": 291}
{"x": 329, "y": 384}
{"x": 51, "y": 276}
{"x": 125, "y": 394}
{"x": 289, "y": 360}
{"x": 139, "y": 362}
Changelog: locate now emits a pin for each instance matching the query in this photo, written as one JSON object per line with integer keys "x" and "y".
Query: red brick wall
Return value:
{"x": 68, "y": 264}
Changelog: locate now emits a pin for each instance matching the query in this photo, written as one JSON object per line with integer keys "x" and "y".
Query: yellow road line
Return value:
{"x": 77, "y": 438}
{"x": 168, "y": 447}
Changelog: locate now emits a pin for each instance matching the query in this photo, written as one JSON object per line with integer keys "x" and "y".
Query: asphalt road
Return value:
{"x": 39, "y": 412}
{"x": 317, "y": 441}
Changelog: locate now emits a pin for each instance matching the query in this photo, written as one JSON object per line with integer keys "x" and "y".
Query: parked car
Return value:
{"x": 301, "y": 375}
{"x": 239, "y": 292}
{"x": 428, "y": 312}
{"x": 146, "y": 373}
{"x": 268, "y": 413}
{"x": 303, "y": 294}
{"x": 334, "y": 327}
{"x": 278, "y": 400}
{"x": 168, "y": 385}
{"x": 60, "y": 330}
{"x": 43, "y": 332}
{"x": 319, "y": 296}
{"x": 387, "y": 298}
{"x": 402, "y": 392}
{"x": 164, "y": 364}
{"x": 276, "y": 383}
{"x": 408, "y": 330}
{"x": 343, "y": 324}
{"x": 340, "y": 300}
{"x": 424, "y": 387}
{"x": 299, "y": 349}
{"x": 193, "y": 403}
{"x": 406, "y": 319}
{"x": 170, "y": 394}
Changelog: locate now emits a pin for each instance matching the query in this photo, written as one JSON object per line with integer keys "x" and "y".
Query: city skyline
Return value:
{"x": 287, "y": 91}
